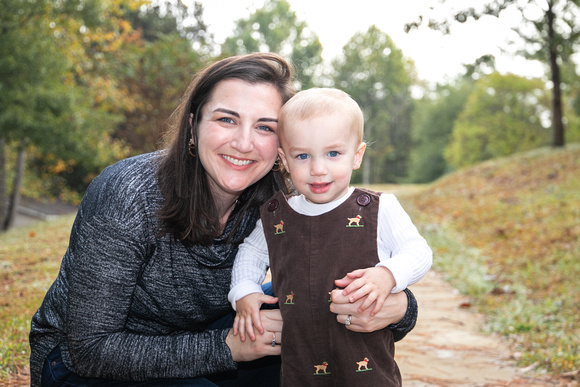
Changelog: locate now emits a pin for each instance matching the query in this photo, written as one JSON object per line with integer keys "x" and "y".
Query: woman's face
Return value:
{"x": 237, "y": 141}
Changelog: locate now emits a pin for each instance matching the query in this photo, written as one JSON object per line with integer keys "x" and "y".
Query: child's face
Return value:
{"x": 320, "y": 154}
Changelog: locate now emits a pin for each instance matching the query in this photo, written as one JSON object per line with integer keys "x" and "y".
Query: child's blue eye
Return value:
{"x": 333, "y": 153}
{"x": 302, "y": 156}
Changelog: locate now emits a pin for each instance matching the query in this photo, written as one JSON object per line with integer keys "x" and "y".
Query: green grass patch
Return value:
{"x": 30, "y": 258}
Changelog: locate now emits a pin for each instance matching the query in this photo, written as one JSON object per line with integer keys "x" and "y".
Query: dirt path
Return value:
{"x": 447, "y": 348}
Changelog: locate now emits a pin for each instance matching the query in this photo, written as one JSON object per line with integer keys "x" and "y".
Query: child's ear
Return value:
{"x": 358, "y": 157}
{"x": 284, "y": 161}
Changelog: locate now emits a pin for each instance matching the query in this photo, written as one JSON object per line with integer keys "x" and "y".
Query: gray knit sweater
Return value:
{"x": 127, "y": 305}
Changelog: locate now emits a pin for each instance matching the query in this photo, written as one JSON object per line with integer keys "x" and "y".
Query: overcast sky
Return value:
{"x": 436, "y": 56}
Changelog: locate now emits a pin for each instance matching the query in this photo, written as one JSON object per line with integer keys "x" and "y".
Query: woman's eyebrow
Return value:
{"x": 227, "y": 111}
{"x": 235, "y": 114}
{"x": 267, "y": 119}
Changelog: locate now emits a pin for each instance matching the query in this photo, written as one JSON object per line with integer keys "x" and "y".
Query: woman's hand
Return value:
{"x": 251, "y": 350}
{"x": 393, "y": 311}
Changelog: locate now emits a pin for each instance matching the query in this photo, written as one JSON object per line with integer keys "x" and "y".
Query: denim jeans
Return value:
{"x": 264, "y": 372}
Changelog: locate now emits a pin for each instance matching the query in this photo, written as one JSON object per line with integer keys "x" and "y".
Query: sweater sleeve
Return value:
{"x": 110, "y": 245}
{"x": 408, "y": 322}
{"x": 402, "y": 249}
{"x": 250, "y": 265}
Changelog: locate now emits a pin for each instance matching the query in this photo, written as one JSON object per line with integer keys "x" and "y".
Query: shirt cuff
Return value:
{"x": 243, "y": 289}
{"x": 400, "y": 270}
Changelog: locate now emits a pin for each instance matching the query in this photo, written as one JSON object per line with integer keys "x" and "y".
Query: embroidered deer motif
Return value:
{"x": 290, "y": 298}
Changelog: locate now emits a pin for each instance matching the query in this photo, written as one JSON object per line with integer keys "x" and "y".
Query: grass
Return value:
{"x": 29, "y": 261}
{"x": 515, "y": 225}
{"x": 505, "y": 232}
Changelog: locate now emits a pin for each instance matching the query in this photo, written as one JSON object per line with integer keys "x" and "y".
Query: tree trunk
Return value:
{"x": 557, "y": 114}
{"x": 15, "y": 194}
{"x": 3, "y": 198}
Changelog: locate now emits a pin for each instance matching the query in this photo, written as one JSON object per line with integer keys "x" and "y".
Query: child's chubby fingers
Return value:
{"x": 349, "y": 278}
{"x": 265, "y": 299}
{"x": 250, "y": 329}
{"x": 379, "y": 305}
{"x": 368, "y": 301}
{"x": 356, "y": 273}
{"x": 236, "y": 325}
{"x": 257, "y": 322}
{"x": 355, "y": 290}
{"x": 343, "y": 282}
{"x": 242, "y": 329}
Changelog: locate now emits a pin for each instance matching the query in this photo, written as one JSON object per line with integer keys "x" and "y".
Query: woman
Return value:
{"x": 142, "y": 291}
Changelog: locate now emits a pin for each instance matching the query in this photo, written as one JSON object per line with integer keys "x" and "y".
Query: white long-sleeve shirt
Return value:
{"x": 401, "y": 248}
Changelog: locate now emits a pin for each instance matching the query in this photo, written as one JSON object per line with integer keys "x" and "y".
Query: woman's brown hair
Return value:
{"x": 188, "y": 212}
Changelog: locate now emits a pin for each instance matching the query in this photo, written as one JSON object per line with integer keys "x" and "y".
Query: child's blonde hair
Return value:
{"x": 316, "y": 101}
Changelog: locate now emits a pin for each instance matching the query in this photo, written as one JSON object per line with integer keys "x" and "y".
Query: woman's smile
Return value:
{"x": 236, "y": 161}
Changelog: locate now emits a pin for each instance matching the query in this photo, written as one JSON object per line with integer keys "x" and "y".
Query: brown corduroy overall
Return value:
{"x": 307, "y": 253}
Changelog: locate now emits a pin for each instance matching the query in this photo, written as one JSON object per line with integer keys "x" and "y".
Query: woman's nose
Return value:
{"x": 243, "y": 140}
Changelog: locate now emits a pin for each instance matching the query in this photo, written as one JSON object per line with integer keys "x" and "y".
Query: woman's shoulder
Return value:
{"x": 122, "y": 183}
{"x": 132, "y": 170}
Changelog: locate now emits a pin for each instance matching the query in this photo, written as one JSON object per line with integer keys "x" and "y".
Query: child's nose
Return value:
{"x": 318, "y": 167}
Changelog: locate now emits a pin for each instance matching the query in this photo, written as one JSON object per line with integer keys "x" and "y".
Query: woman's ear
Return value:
{"x": 358, "y": 157}
{"x": 191, "y": 124}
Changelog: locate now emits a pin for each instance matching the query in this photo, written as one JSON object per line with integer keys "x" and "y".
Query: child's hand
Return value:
{"x": 248, "y": 314}
{"x": 376, "y": 282}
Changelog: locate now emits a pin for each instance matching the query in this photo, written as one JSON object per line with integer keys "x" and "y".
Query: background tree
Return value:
{"x": 39, "y": 102}
{"x": 276, "y": 28}
{"x": 156, "y": 66}
{"x": 377, "y": 75}
{"x": 433, "y": 120}
{"x": 434, "y": 117}
{"x": 571, "y": 100}
{"x": 550, "y": 31}
{"x": 503, "y": 115}
{"x": 88, "y": 72}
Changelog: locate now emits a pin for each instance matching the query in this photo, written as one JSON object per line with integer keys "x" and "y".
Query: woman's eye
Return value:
{"x": 265, "y": 128}
{"x": 227, "y": 120}
{"x": 333, "y": 153}
{"x": 302, "y": 156}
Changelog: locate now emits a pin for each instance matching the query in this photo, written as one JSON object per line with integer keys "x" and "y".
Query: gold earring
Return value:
{"x": 191, "y": 147}
{"x": 277, "y": 165}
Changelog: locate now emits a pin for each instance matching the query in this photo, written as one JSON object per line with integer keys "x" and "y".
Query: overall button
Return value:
{"x": 363, "y": 200}
{"x": 273, "y": 205}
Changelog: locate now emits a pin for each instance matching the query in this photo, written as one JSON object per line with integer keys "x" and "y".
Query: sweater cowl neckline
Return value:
{"x": 222, "y": 252}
